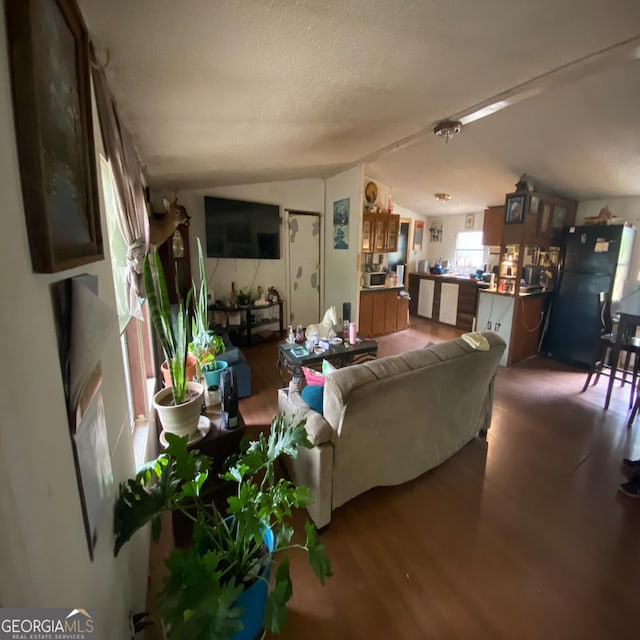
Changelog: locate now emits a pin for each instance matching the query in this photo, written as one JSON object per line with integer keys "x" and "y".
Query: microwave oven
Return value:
{"x": 374, "y": 279}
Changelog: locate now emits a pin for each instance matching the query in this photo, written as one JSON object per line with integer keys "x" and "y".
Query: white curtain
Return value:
{"x": 132, "y": 217}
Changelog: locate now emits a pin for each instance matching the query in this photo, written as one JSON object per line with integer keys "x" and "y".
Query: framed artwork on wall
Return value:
{"x": 341, "y": 223}
{"x": 514, "y": 211}
{"x": 469, "y": 221}
{"x": 418, "y": 234}
{"x": 49, "y": 64}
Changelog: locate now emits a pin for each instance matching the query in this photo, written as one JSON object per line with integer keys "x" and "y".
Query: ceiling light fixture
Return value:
{"x": 447, "y": 129}
{"x": 442, "y": 197}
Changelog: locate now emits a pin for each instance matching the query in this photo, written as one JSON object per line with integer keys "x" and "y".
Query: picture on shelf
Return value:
{"x": 514, "y": 211}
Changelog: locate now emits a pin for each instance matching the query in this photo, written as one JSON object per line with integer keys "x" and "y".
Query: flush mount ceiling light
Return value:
{"x": 447, "y": 129}
{"x": 442, "y": 197}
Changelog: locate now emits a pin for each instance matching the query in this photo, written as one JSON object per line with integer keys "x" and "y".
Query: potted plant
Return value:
{"x": 179, "y": 405}
{"x": 205, "y": 344}
{"x": 219, "y": 589}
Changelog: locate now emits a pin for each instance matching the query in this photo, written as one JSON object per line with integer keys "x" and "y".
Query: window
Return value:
{"x": 135, "y": 336}
{"x": 469, "y": 251}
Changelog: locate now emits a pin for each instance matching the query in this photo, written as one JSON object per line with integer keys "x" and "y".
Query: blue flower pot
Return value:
{"x": 254, "y": 599}
{"x": 211, "y": 375}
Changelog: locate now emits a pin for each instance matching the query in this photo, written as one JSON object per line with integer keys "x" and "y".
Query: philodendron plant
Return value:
{"x": 205, "y": 344}
{"x": 199, "y": 596}
{"x": 173, "y": 335}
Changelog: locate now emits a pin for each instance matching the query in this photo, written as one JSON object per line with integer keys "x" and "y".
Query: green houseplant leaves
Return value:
{"x": 198, "y": 597}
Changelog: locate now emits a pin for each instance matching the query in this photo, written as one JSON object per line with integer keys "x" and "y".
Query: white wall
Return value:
{"x": 451, "y": 226}
{"x": 341, "y": 271}
{"x": 43, "y": 549}
{"x": 626, "y": 210}
{"x": 301, "y": 195}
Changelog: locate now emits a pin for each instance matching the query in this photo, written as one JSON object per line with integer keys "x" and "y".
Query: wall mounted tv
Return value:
{"x": 240, "y": 229}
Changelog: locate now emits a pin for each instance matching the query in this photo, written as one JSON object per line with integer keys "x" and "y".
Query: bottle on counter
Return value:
{"x": 291, "y": 339}
{"x": 352, "y": 333}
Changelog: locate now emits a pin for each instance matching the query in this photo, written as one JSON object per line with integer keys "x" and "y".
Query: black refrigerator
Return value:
{"x": 593, "y": 258}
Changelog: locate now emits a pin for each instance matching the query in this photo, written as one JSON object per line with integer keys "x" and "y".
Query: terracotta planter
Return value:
{"x": 191, "y": 370}
{"x": 182, "y": 419}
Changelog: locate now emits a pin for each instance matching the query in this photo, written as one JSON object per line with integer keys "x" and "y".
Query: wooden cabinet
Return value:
{"x": 492, "y": 226}
{"x": 425, "y": 298}
{"x": 380, "y": 232}
{"x": 544, "y": 217}
{"x": 393, "y": 231}
{"x": 367, "y": 233}
{"x": 382, "y": 312}
{"x": 365, "y": 323}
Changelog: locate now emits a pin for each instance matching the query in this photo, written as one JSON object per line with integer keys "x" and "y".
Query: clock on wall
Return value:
{"x": 371, "y": 192}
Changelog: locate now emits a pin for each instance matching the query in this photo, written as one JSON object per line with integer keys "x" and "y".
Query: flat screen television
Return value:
{"x": 241, "y": 229}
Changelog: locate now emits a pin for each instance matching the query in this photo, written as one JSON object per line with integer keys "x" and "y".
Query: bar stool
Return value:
{"x": 608, "y": 348}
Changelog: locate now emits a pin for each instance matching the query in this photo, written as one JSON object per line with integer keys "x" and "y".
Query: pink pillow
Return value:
{"x": 313, "y": 377}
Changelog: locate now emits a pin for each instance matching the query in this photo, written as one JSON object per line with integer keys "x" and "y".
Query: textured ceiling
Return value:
{"x": 222, "y": 92}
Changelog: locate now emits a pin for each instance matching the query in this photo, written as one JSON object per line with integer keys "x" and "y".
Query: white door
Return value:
{"x": 304, "y": 268}
{"x": 425, "y": 298}
{"x": 448, "y": 303}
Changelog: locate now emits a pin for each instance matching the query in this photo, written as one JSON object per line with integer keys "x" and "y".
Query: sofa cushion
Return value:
{"x": 312, "y": 394}
{"x": 318, "y": 430}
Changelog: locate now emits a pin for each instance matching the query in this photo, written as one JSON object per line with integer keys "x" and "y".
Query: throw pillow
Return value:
{"x": 313, "y": 395}
{"x": 327, "y": 368}
{"x": 313, "y": 377}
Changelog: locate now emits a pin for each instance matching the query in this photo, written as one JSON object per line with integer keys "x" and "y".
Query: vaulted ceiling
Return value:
{"x": 235, "y": 91}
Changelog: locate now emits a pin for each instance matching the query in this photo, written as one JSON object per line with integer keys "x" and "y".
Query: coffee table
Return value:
{"x": 340, "y": 355}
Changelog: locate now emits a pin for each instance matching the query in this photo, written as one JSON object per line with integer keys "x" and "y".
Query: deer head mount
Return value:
{"x": 161, "y": 228}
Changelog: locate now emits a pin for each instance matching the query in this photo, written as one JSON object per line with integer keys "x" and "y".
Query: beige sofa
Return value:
{"x": 389, "y": 420}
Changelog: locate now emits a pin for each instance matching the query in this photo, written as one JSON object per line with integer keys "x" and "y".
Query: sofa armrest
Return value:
{"x": 291, "y": 404}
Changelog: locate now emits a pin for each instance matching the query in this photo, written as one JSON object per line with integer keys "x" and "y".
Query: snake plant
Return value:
{"x": 173, "y": 335}
{"x": 205, "y": 344}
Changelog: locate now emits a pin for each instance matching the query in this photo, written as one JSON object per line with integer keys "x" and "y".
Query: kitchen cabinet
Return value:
{"x": 448, "y": 303}
{"x": 447, "y": 299}
{"x": 544, "y": 217}
{"x": 382, "y": 311}
{"x": 367, "y": 233}
{"x": 495, "y": 313}
{"x": 492, "y": 226}
{"x": 380, "y": 232}
{"x": 425, "y": 298}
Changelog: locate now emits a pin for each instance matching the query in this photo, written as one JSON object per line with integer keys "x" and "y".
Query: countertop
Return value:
{"x": 528, "y": 294}
{"x": 398, "y": 287}
{"x": 452, "y": 277}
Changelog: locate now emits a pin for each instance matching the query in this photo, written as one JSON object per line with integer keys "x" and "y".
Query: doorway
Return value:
{"x": 400, "y": 256}
{"x": 304, "y": 267}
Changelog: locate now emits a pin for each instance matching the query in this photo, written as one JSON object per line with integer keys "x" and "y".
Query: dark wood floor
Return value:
{"x": 522, "y": 536}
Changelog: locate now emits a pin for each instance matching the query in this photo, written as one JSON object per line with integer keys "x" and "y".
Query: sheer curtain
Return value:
{"x": 132, "y": 217}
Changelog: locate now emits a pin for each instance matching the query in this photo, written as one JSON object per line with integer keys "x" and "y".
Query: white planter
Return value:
{"x": 182, "y": 420}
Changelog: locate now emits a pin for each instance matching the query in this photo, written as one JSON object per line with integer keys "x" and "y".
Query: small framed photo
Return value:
{"x": 469, "y": 221}
{"x": 534, "y": 205}
{"x": 514, "y": 211}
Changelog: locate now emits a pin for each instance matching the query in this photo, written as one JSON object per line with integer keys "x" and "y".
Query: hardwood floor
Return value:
{"x": 521, "y": 536}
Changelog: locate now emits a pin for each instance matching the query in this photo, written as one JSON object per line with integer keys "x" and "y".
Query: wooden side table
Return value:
{"x": 218, "y": 445}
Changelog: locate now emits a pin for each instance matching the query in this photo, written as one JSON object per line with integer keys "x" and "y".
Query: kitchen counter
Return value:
{"x": 445, "y": 298}
{"x": 398, "y": 287}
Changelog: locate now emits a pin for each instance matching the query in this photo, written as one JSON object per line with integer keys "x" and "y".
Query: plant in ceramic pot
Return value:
{"x": 205, "y": 344}
{"x": 178, "y": 405}
{"x": 219, "y": 588}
